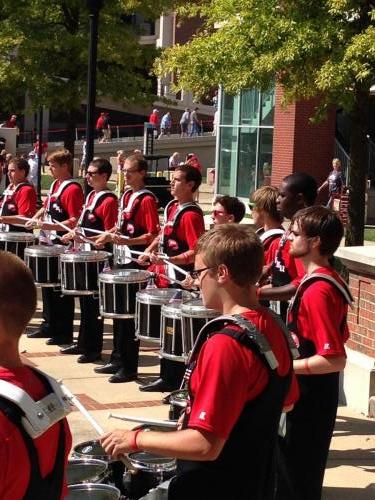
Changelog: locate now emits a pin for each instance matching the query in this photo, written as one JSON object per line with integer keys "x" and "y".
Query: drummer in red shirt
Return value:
{"x": 317, "y": 318}
{"x": 137, "y": 227}
{"x": 30, "y": 467}
{"x": 183, "y": 224}
{"x": 19, "y": 199}
{"x": 100, "y": 214}
{"x": 239, "y": 380}
{"x": 63, "y": 204}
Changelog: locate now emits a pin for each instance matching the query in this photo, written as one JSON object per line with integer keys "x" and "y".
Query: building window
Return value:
{"x": 245, "y": 141}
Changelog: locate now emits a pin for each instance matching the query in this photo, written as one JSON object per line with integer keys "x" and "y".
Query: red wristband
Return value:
{"x": 133, "y": 440}
{"x": 306, "y": 366}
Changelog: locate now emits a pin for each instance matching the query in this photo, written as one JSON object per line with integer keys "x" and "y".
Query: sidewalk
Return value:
{"x": 350, "y": 471}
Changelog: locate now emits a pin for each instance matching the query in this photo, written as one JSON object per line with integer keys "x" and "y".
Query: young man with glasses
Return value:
{"x": 227, "y": 209}
{"x": 64, "y": 204}
{"x": 99, "y": 213}
{"x": 239, "y": 380}
{"x": 317, "y": 318}
{"x": 183, "y": 224}
{"x": 137, "y": 226}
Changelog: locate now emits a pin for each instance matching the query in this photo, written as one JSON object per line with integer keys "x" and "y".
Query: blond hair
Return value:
{"x": 237, "y": 247}
{"x": 265, "y": 198}
{"x": 62, "y": 156}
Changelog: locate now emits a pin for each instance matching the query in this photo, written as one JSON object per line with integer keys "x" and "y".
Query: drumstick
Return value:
{"x": 69, "y": 229}
{"x": 179, "y": 269}
{"x": 172, "y": 280}
{"x": 75, "y": 401}
{"x": 149, "y": 421}
{"x": 96, "y": 231}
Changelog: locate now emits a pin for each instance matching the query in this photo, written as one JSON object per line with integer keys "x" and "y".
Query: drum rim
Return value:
{"x": 156, "y": 299}
{"x": 89, "y": 461}
{"x": 77, "y": 454}
{"x": 112, "y": 276}
{"x": 178, "y": 402}
{"x": 94, "y": 486}
{"x": 17, "y": 237}
{"x": 173, "y": 308}
{"x": 169, "y": 466}
{"x": 87, "y": 256}
{"x": 195, "y": 306}
{"x": 41, "y": 250}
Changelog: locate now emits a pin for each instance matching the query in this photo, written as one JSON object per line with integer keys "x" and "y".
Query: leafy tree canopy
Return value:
{"x": 44, "y": 52}
{"x": 313, "y": 47}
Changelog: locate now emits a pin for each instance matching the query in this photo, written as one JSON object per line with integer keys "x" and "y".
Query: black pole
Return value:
{"x": 94, "y": 8}
{"x": 40, "y": 152}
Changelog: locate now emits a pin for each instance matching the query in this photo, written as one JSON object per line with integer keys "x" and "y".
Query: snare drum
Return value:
{"x": 94, "y": 450}
{"x": 148, "y": 311}
{"x": 194, "y": 315}
{"x": 16, "y": 242}
{"x": 121, "y": 254}
{"x": 86, "y": 470}
{"x": 117, "y": 291}
{"x": 171, "y": 332}
{"x": 92, "y": 491}
{"x": 152, "y": 470}
{"x": 44, "y": 263}
{"x": 79, "y": 271}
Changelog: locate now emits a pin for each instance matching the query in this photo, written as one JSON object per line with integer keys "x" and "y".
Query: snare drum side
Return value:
{"x": 148, "y": 322}
{"x": 171, "y": 334}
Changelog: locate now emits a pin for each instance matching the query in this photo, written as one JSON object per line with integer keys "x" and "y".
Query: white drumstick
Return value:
{"x": 135, "y": 252}
{"x": 179, "y": 269}
{"x": 69, "y": 229}
{"x": 148, "y": 421}
{"x": 96, "y": 231}
{"x": 74, "y": 400}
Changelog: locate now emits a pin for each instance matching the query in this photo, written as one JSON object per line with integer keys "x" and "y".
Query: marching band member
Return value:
{"x": 183, "y": 224}
{"x": 19, "y": 198}
{"x": 239, "y": 379}
{"x": 99, "y": 213}
{"x": 138, "y": 225}
{"x": 297, "y": 191}
{"x": 227, "y": 209}
{"x": 317, "y": 318}
{"x": 32, "y": 461}
{"x": 64, "y": 204}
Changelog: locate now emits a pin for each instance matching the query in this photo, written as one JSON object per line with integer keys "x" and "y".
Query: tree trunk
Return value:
{"x": 358, "y": 171}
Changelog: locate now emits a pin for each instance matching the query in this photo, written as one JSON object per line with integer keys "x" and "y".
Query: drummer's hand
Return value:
{"x": 144, "y": 259}
{"x": 32, "y": 224}
{"x": 117, "y": 442}
{"x": 103, "y": 239}
{"x": 155, "y": 259}
{"x": 180, "y": 421}
{"x": 68, "y": 237}
{"x": 189, "y": 283}
{"x": 266, "y": 272}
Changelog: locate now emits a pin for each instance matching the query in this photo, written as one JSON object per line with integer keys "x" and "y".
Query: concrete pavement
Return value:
{"x": 350, "y": 472}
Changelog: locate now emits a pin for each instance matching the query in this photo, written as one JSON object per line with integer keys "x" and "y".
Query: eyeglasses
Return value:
{"x": 215, "y": 213}
{"x": 197, "y": 272}
{"x": 91, "y": 174}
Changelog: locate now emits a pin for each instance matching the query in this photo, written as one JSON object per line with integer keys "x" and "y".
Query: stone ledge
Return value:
{"x": 361, "y": 259}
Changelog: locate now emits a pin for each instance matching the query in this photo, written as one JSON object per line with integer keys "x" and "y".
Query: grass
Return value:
{"x": 370, "y": 234}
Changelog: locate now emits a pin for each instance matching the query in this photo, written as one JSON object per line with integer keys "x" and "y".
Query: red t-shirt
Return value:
{"x": 294, "y": 266}
{"x": 146, "y": 217}
{"x": 99, "y": 122}
{"x": 228, "y": 375}
{"x": 321, "y": 314}
{"x": 107, "y": 210}
{"x": 14, "y": 458}
{"x": 71, "y": 200}
{"x": 154, "y": 119}
{"x": 25, "y": 200}
{"x": 190, "y": 226}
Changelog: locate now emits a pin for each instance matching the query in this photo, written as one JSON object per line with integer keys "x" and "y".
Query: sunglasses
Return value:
{"x": 215, "y": 213}
{"x": 197, "y": 272}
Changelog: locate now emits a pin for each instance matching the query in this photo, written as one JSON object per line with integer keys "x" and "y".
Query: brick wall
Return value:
{"x": 361, "y": 320}
{"x": 299, "y": 145}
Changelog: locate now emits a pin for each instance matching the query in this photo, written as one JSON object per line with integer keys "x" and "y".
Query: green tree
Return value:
{"x": 313, "y": 48}
{"x": 44, "y": 53}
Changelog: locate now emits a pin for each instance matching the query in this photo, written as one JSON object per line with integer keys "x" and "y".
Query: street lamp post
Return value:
{"x": 94, "y": 8}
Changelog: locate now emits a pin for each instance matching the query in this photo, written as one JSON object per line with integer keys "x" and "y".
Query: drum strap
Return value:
{"x": 270, "y": 234}
{"x": 173, "y": 222}
{"x": 50, "y": 486}
{"x": 95, "y": 200}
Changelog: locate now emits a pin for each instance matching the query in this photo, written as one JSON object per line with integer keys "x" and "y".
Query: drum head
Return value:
{"x": 159, "y": 296}
{"x": 196, "y": 309}
{"x": 93, "y": 492}
{"x": 172, "y": 310}
{"x": 124, "y": 276}
{"x": 90, "y": 449}
{"x": 153, "y": 463}
{"x": 17, "y": 237}
{"x": 85, "y": 471}
{"x": 179, "y": 398}
{"x": 91, "y": 256}
{"x": 45, "y": 250}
